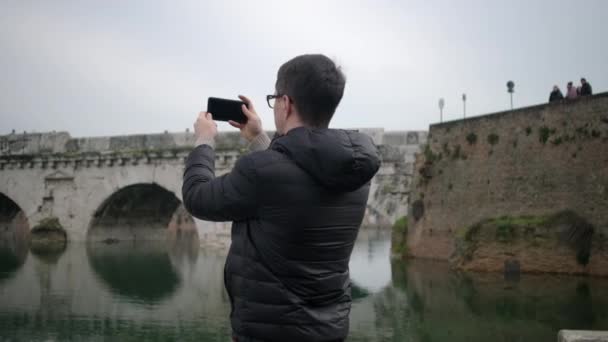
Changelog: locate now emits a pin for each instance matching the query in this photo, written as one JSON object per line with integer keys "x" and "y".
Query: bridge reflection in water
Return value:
{"x": 173, "y": 290}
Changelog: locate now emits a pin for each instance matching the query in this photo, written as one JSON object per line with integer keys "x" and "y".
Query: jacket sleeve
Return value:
{"x": 230, "y": 197}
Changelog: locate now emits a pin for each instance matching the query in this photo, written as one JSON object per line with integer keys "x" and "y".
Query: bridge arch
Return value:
{"x": 141, "y": 211}
{"x": 14, "y": 236}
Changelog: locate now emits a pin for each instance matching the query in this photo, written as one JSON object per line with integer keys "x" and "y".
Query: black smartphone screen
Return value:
{"x": 224, "y": 109}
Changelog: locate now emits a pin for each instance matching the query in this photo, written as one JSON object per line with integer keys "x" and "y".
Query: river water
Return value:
{"x": 158, "y": 292}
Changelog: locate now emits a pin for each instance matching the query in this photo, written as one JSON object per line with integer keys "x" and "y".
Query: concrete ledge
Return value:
{"x": 582, "y": 336}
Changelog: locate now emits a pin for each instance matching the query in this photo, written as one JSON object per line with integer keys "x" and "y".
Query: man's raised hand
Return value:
{"x": 253, "y": 127}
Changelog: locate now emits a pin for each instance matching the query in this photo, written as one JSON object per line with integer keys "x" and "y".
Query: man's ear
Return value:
{"x": 289, "y": 108}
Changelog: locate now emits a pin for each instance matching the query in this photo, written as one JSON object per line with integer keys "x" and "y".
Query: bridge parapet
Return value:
{"x": 53, "y": 174}
{"x": 223, "y": 159}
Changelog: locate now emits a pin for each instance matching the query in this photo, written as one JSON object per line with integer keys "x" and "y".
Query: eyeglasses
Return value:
{"x": 271, "y": 99}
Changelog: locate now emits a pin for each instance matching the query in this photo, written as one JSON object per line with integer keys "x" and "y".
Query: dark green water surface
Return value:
{"x": 153, "y": 292}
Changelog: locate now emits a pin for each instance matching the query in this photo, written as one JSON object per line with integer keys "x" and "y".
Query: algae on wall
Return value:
{"x": 563, "y": 242}
{"x": 529, "y": 161}
{"x": 48, "y": 236}
{"x": 399, "y": 238}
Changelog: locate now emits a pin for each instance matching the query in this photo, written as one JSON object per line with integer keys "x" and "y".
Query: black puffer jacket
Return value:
{"x": 297, "y": 208}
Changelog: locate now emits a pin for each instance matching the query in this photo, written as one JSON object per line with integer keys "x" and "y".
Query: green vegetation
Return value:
{"x": 551, "y": 231}
{"x": 387, "y": 189}
{"x": 446, "y": 149}
{"x": 457, "y": 153}
{"x": 493, "y": 139}
{"x": 399, "y": 238}
{"x": 429, "y": 155}
{"x": 48, "y": 224}
{"x": 472, "y": 138}
{"x": 544, "y": 133}
{"x": 48, "y": 237}
{"x": 557, "y": 141}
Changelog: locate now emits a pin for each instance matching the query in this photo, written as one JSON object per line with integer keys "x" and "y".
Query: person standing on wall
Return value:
{"x": 585, "y": 88}
{"x": 556, "y": 94}
{"x": 571, "y": 91}
{"x": 296, "y": 203}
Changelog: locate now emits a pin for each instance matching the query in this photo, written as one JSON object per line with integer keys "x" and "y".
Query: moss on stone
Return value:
{"x": 537, "y": 231}
{"x": 399, "y": 237}
{"x": 471, "y": 138}
{"x": 557, "y": 141}
{"x": 544, "y": 133}
{"x": 48, "y": 236}
{"x": 387, "y": 189}
{"x": 493, "y": 138}
{"x": 48, "y": 224}
{"x": 429, "y": 155}
{"x": 457, "y": 153}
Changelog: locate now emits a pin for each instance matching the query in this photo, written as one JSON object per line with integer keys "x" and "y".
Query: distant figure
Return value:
{"x": 556, "y": 94}
{"x": 585, "y": 87}
{"x": 571, "y": 92}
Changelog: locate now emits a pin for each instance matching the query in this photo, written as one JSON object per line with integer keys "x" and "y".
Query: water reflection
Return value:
{"x": 369, "y": 262}
{"x": 172, "y": 291}
{"x": 429, "y": 302}
{"x": 11, "y": 259}
{"x": 140, "y": 270}
{"x": 14, "y": 236}
{"x": 49, "y": 254}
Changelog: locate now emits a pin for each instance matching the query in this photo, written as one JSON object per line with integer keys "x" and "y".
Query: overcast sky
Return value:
{"x": 126, "y": 67}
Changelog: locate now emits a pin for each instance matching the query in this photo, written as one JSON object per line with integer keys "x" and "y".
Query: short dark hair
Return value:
{"x": 315, "y": 84}
{"x": 583, "y": 80}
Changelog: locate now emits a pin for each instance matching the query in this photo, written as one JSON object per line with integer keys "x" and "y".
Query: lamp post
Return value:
{"x": 510, "y": 86}
{"x": 464, "y": 106}
{"x": 441, "y": 105}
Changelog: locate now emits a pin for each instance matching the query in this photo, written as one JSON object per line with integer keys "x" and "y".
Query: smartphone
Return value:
{"x": 224, "y": 109}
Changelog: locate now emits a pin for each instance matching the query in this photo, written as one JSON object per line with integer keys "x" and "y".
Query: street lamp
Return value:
{"x": 441, "y": 105}
{"x": 510, "y": 86}
{"x": 464, "y": 106}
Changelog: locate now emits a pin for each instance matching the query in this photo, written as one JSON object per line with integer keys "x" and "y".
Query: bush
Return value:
{"x": 493, "y": 139}
{"x": 472, "y": 138}
{"x": 544, "y": 133}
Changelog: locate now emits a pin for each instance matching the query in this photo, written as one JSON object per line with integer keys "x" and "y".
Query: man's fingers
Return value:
{"x": 247, "y": 102}
{"x": 248, "y": 113}
{"x": 236, "y": 124}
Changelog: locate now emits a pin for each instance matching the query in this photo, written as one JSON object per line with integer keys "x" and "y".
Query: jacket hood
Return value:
{"x": 340, "y": 160}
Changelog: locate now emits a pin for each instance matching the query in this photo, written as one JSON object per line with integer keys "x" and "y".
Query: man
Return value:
{"x": 297, "y": 203}
{"x": 585, "y": 87}
{"x": 556, "y": 94}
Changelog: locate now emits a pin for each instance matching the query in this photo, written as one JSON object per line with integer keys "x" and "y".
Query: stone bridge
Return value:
{"x": 129, "y": 187}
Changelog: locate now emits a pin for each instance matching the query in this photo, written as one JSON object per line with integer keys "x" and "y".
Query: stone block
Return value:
{"x": 582, "y": 336}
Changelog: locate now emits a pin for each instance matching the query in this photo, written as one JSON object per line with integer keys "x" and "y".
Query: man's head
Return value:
{"x": 555, "y": 88}
{"x": 583, "y": 80}
{"x": 311, "y": 87}
{"x": 570, "y": 84}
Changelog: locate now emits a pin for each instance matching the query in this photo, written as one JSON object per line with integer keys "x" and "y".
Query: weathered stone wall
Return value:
{"x": 532, "y": 161}
{"x": 390, "y": 188}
